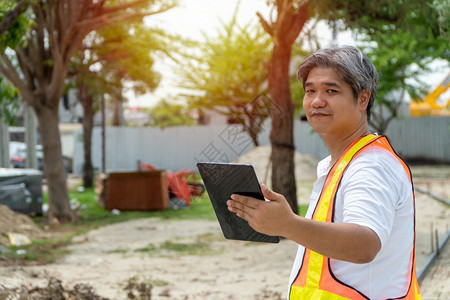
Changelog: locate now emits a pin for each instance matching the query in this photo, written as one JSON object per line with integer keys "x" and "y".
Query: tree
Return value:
{"x": 284, "y": 29}
{"x": 127, "y": 55}
{"x": 363, "y": 16}
{"x": 119, "y": 56}
{"x": 166, "y": 114}
{"x": 86, "y": 84}
{"x": 399, "y": 70}
{"x": 38, "y": 69}
{"x": 229, "y": 75}
{"x": 11, "y": 17}
{"x": 401, "y": 38}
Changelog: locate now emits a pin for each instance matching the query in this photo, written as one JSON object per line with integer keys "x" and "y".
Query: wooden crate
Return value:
{"x": 141, "y": 190}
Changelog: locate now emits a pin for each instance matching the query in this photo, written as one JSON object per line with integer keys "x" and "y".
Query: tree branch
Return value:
{"x": 49, "y": 21}
{"x": 267, "y": 27}
{"x": 10, "y": 73}
{"x": 298, "y": 22}
{"x": 36, "y": 51}
{"x": 82, "y": 25}
{"x": 24, "y": 61}
{"x": 122, "y": 7}
{"x": 107, "y": 18}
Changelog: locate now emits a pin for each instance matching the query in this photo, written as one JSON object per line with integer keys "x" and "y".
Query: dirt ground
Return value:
{"x": 107, "y": 257}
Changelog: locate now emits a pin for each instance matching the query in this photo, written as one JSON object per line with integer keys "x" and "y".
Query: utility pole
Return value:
{"x": 4, "y": 143}
{"x": 30, "y": 137}
{"x": 103, "y": 136}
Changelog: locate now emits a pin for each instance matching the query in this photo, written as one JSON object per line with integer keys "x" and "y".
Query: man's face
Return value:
{"x": 330, "y": 106}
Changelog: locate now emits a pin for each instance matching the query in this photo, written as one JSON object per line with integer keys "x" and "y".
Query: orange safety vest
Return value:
{"x": 315, "y": 279}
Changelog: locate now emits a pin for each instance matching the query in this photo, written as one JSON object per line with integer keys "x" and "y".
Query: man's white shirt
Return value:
{"x": 375, "y": 192}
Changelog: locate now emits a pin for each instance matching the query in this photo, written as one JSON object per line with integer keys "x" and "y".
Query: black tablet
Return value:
{"x": 223, "y": 179}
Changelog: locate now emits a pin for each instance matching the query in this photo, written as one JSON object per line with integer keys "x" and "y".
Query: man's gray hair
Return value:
{"x": 354, "y": 66}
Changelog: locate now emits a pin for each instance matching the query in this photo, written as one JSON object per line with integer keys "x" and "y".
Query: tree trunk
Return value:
{"x": 284, "y": 31}
{"x": 282, "y": 134}
{"x": 118, "y": 119}
{"x": 88, "y": 121}
{"x": 59, "y": 207}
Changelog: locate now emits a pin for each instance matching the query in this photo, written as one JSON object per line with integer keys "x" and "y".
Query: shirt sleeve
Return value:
{"x": 369, "y": 193}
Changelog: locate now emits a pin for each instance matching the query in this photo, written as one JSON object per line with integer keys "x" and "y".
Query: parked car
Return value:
{"x": 19, "y": 155}
{"x": 18, "y": 158}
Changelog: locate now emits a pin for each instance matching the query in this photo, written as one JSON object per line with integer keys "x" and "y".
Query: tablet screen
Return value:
{"x": 223, "y": 179}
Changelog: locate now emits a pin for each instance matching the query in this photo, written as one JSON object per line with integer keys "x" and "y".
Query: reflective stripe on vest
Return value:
{"x": 315, "y": 279}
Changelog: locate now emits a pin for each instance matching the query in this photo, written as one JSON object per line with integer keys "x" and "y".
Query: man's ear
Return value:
{"x": 363, "y": 99}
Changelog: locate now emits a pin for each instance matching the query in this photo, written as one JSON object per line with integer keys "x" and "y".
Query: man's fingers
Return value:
{"x": 269, "y": 194}
{"x": 238, "y": 206}
{"x": 241, "y": 210}
{"x": 244, "y": 200}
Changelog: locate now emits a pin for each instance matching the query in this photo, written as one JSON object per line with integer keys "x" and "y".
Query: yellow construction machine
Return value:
{"x": 436, "y": 103}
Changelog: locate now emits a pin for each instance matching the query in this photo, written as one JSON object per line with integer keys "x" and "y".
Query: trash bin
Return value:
{"x": 137, "y": 190}
{"x": 21, "y": 190}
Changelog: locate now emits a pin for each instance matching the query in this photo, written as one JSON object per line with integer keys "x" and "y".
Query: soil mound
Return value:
{"x": 259, "y": 157}
{"x": 12, "y": 222}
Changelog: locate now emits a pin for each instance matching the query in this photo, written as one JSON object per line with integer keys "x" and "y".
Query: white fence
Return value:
{"x": 175, "y": 148}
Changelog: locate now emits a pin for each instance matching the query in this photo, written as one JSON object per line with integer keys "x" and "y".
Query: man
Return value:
{"x": 357, "y": 240}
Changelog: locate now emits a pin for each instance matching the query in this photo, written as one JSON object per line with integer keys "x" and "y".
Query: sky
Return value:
{"x": 193, "y": 18}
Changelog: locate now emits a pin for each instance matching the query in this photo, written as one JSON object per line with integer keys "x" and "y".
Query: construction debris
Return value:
{"x": 17, "y": 228}
{"x": 134, "y": 289}
{"x": 54, "y": 290}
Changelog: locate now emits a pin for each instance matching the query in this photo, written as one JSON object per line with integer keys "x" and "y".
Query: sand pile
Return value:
{"x": 12, "y": 222}
{"x": 259, "y": 157}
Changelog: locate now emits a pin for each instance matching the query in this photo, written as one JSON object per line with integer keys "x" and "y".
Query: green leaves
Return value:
{"x": 9, "y": 103}
{"x": 122, "y": 55}
{"x": 166, "y": 114}
{"x": 401, "y": 38}
{"x": 13, "y": 23}
{"x": 402, "y": 51}
{"x": 227, "y": 73}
